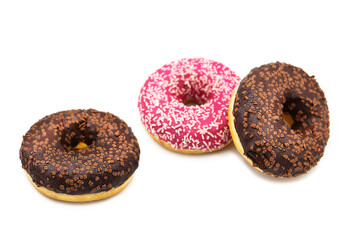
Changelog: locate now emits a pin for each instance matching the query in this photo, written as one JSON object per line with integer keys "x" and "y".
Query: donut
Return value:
{"x": 80, "y": 155}
{"x": 183, "y": 105}
{"x": 279, "y": 120}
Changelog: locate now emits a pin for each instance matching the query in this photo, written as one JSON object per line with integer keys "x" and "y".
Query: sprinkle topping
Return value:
{"x": 265, "y": 98}
{"x": 163, "y": 112}
{"x": 51, "y": 155}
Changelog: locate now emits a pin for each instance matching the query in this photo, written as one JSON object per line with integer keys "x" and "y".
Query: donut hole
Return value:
{"x": 193, "y": 89}
{"x": 288, "y": 119}
{"x": 295, "y": 113}
{"x": 191, "y": 103}
{"x": 78, "y": 136}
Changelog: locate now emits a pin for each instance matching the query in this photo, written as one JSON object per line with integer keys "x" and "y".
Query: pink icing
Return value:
{"x": 165, "y": 116}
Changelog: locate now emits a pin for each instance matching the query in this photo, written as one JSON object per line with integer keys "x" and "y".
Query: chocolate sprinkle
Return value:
{"x": 274, "y": 146}
{"x": 49, "y": 156}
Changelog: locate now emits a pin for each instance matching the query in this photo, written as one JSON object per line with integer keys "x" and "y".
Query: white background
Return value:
{"x": 61, "y": 55}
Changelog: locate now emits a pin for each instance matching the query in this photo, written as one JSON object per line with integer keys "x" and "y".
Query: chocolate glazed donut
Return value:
{"x": 86, "y": 154}
{"x": 280, "y": 120}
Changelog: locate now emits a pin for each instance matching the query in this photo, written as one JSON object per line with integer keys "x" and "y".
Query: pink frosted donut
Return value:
{"x": 178, "y": 126}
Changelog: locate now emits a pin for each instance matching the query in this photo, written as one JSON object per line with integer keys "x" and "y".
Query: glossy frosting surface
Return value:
{"x": 166, "y": 116}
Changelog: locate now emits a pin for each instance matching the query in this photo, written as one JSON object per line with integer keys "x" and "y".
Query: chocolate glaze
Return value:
{"x": 47, "y": 152}
{"x": 275, "y": 147}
